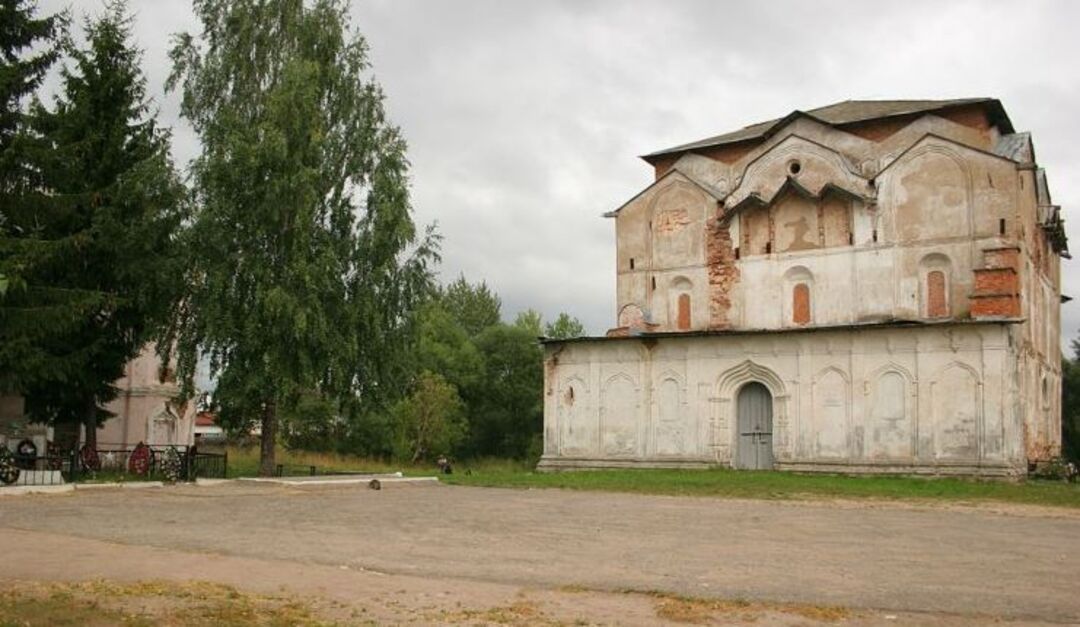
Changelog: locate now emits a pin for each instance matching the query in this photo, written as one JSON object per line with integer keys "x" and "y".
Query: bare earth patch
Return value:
{"x": 252, "y": 555}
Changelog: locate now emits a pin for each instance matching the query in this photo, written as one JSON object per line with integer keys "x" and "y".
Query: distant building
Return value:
{"x": 148, "y": 409}
{"x": 207, "y": 429}
{"x": 872, "y": 286}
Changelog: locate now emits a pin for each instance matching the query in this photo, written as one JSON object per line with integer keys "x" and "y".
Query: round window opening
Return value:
{"x": 794, "y": 167}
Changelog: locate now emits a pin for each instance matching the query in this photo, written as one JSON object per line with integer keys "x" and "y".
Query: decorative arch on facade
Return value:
{"x": 789, "y": 162}
{"x": 956, "y": 396}
{"x": 830, "y": 393}
{"x": 797, "y": 296}
{"x": 927, "y": 146}
{"x": 632, "y": 316}
{"x": 892, "y": 366}
{"x": 821, "y": 374}
{"x": 577, "y": 428}
{"x": 620, "y": 416}
{"x": 680, "y": 307}
{"x": 890, "y": 428}
{"x": 671, "y": 424}
{"x": 733, "y": 378}
{"x": 727, "y": 388}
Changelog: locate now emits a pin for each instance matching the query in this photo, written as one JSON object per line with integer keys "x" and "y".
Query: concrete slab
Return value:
{"x": 16, "y": 490}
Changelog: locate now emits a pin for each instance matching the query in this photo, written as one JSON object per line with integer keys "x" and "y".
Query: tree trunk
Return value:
{"x": 90, "y": 424}
{"x": 269, "y": 433}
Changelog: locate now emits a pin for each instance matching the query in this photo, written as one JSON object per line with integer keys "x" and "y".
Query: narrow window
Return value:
{"x": 631, "y": 263}
{"x": 654, "y": 283}
{"x": 768, "y": 248}
{"x": 1001, "y": 226}
{"x": 800, "y": 304}
{"x": 736, "y": 252}
{"x": 684, "y": 312}
{"x": 874, "y": 236}
{"x": 937, "y": 305}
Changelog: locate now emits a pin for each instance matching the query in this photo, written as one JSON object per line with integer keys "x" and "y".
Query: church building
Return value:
{"x": 866, "y": 287}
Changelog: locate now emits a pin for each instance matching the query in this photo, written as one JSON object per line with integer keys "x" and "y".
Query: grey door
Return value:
{"x": 754, "y": 448}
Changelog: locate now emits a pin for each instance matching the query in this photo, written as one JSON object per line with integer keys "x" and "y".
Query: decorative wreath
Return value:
{"x": 171, "y": 465}
{"x": 89, "y": 458}
{"x": 25, "y": 454}
{"x": 9, "y": 472}
{"x": 139, "y": 461}
{"x": 54, "y": 457}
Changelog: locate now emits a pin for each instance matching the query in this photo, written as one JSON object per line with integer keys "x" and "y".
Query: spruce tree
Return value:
{"x": 21, "y": 73}
{"x": 307, "y": 267}
{"x": 29, "y": 311}
{"x": 104, "y": 228}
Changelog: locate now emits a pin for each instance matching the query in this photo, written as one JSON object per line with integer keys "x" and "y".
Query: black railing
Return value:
{"x": 208, "y": 465}
{"x": 139, "y": 463}
{"x": 295, "y": 470}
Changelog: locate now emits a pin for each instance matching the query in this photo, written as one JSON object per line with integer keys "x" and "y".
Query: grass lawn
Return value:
{"x": 779, "y": 485}
{"x": 244, "y": 462}
{"x": 719, "y": 482}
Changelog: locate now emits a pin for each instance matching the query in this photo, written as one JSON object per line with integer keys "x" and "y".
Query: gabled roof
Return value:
{"x": 842, "y": 113}
{"x": 790, "y": 184}
{"x": 705, "y": 187}
{"x": 1016, "y": 147}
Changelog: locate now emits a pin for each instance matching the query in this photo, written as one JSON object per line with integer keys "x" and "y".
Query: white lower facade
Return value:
{"x": 915, "y": 399}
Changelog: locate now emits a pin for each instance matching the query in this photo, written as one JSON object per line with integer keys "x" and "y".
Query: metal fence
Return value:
{"x": 295, "y": 470}
{"x": 138, "y": 463}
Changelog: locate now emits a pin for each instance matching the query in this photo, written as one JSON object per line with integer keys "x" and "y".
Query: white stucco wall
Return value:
{"x": 939, "y": 398}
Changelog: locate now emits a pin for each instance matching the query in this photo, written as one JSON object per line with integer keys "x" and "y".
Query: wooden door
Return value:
{"x": 754, "y": 407}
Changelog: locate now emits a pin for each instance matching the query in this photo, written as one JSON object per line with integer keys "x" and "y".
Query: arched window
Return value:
{"x": 937, "y": 304}
{"x": 800, "y": 304}
{"x": 683, "y": 322}
{"x": 935, "y": 271}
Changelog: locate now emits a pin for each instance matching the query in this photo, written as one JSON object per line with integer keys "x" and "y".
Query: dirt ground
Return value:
{"x": 441, "y": 554}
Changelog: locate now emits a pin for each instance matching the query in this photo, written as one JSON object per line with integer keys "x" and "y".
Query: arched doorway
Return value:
{"x": 754, "y": 447}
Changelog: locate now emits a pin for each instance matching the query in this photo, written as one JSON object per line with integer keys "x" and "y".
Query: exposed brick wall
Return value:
{"x": 995, "y": 281}
{"x": 800, "y": 305}
{"x": 723, "y": 273}
{"x": 995, "y": 306}
{"x": 937, "y": 304}
{"x": 684, "y": 312}
{"x": 997, "y": 285}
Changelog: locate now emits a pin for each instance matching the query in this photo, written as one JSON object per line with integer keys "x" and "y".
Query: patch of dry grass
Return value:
{"x": 683, "y": 609}
{"x": 244, "y": 462}
{"x": 102, "y": 603}
{"x": 521, "y": 612}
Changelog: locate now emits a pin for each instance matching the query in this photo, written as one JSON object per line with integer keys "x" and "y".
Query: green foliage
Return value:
{"x": 91, "y": 255}
{"x": 723, "y": 482}
{"x": 564, "y": 327}
{"x": 430, "y": 422}
{"x": 21, "y": 73}
{"x": 475, "y": 307}
{"x": 311, "y": 422}
{"x": 1070, "y": 405}
{"x": 506, "y": 409}
{"x": 531, "y": 321}
{"x": 444, "y": 347}
{"x": 20, "y": 76}
{"x": 306, "y": 269}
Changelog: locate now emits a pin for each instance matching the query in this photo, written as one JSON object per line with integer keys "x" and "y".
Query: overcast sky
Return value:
{"x": 525, "y": 119}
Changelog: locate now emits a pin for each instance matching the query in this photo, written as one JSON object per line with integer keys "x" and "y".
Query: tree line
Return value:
{"x": 284, "y": 257}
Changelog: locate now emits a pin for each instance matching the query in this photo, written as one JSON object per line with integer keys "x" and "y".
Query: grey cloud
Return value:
{"x": 524, "y": 119}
